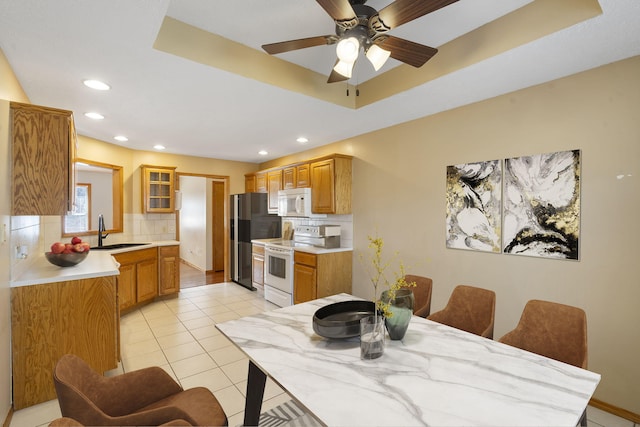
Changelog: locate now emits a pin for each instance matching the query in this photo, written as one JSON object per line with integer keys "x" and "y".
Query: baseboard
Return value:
{"x": 191, "y": 265}
{"x": 612, "y": 409}
{"x": 7, "y": 420}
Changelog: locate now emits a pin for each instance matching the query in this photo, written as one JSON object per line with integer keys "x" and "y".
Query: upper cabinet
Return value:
{"x": 43, "y": 151}
{"x": 289, "y": 177}
{"x": 331, "y": 185}
{"x": 329, "y": 178}
{"x": 274, "y": 184}
{"x": 303, "y": 176}
{"x": 158, "y": 189}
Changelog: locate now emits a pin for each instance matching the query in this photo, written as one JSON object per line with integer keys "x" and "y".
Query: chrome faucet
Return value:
{"x": 101, "y": 229}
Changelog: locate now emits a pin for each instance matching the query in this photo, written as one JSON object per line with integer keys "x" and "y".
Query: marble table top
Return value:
{"x": 436, "y": 375}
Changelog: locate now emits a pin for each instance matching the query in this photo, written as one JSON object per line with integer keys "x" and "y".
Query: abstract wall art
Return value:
{"x": 474, "y": 206}
{"x": 541, "y": 215}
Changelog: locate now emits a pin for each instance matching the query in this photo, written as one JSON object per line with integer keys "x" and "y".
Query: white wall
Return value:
{"x": 193, "y": 224}
{"x": 101, "y": 196}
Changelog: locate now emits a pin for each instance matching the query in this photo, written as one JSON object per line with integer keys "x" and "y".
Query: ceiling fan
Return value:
{"x": 358, "y": 25}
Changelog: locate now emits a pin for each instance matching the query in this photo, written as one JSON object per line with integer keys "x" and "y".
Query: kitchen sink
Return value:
{"x": 117, "y": 246}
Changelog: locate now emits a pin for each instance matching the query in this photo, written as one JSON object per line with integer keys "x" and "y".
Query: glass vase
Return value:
{"x": 371, "y": 337}
{"x": 401, "y": 309}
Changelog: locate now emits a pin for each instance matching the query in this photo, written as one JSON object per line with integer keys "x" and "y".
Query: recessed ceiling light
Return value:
{"x": 96, "y": 84}
{"x": 263, "y": 152}
{"x": 302, "y": 140}
{"x": 121, "y": 138}
{"x": 159, "y": 147}
{"x": 94, "y": 116}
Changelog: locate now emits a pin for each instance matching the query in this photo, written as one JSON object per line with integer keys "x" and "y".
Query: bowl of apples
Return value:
{"x": 68, "y": 254}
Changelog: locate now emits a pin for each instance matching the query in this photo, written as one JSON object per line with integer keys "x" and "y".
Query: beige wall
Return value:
{"x": 130, "y": 160}
{"x": 399, "y": 184}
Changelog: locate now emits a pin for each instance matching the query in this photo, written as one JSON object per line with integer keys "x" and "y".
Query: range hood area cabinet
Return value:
{"x": 158, "y": 189}
{"x": 43, "y": 150}
{"x": 328, "y": 177}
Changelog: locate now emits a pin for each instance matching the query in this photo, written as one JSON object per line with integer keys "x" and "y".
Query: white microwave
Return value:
{"x": 296, "y": 202}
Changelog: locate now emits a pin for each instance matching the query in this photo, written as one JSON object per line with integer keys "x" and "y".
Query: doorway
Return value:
{"x": 202, "y": 228}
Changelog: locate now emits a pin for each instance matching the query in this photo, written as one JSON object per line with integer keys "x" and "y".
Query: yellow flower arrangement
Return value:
{"x": 378, "y": 277}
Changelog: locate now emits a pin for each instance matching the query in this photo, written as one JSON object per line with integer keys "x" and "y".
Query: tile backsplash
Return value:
{"x": 344, "y": 221}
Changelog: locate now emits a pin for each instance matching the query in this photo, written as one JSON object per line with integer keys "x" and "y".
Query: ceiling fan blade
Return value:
{"x": 341, "y": 12}
{"x": 402, "y": 11}
{"x": 409, "y": 52}
{"x": 287, "y": 46}
{"x": 336, "y": 76}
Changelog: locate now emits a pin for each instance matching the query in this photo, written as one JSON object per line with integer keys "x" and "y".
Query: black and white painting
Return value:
{"x": 474, "y": 206}
{"x": 542, "y": 205}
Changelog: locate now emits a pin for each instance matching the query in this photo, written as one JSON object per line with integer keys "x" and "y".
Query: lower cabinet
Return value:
{"x": 169, "y": 269}
{"x": 146, "y": 274}
{"x": 138, "y": 280}
{"x": 321, "y": 275}
{"x": 52, "y": 319}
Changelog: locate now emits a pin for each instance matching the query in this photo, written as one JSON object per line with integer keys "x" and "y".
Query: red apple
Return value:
{"x": 86, "y": 245}
{"x": 57, "y": 248}
{"x": 78, "y": 247}
{"x": 75, "y": 240}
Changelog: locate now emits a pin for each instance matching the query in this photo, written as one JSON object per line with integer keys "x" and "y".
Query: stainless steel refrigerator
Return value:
{"x": 249, "y": 220}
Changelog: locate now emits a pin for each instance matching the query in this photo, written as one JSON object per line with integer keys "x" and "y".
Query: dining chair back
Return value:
{"x": 469, "y": 308}
{"x": 554, "y": 330}
{"x": 421, "y": 293}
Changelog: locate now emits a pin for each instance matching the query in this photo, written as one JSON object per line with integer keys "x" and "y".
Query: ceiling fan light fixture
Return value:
{"x": 344, "y": 68}
{"x": 377, "y": 56}
{"x": 347, "y": 49}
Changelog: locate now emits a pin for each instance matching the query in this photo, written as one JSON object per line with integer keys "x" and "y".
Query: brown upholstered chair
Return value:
{"x": 470, "y": 309}
{"x": 554, "y": 330}
{"x": 421, "y": 293}
{"x": 148, "y": 397}
{"x": 70, "y": 422}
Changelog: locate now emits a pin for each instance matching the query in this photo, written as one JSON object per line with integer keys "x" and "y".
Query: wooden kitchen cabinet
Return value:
{"x": 43, "y": 150}
{"x": 331, "y": 185}
{"x": 289, "y": 177}
{"x": 303, "y": 176}
{"x": 320, "y": 275}
{"x": 329, "y": 177}
{"x": 257, "y": 265}
{"x": 158, "y": 189}
{"x": 53, "y": 319}
{"x": 169, "y": 269}
{"x": 261, "y": 183}
{"x": 250, "y": 183}
{"x": 138, "y": 281}
{"x": 274, "y": 184}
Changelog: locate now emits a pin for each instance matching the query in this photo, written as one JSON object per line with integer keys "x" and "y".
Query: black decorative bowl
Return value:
{"x": 341, "y": 319}
{"x": 66, "y": 260}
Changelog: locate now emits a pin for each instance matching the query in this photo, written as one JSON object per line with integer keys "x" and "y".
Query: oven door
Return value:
{"x": 278, "y": 268}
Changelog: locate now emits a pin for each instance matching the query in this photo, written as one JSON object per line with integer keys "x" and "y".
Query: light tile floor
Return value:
{"x": 179, "y": 335}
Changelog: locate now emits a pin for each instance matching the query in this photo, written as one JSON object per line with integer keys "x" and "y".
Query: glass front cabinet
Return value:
{"x": 158, "y": 189}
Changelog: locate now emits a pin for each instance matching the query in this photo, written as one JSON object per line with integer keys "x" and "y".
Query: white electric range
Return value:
{"x": 278, "y": 259}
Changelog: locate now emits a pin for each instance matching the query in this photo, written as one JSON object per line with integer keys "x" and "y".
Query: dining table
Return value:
{"x": 435, "y": 376}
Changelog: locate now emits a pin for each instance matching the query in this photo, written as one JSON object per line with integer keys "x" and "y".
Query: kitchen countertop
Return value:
{"x": 98, "y": 263}
{"x": 306, "y": 248}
